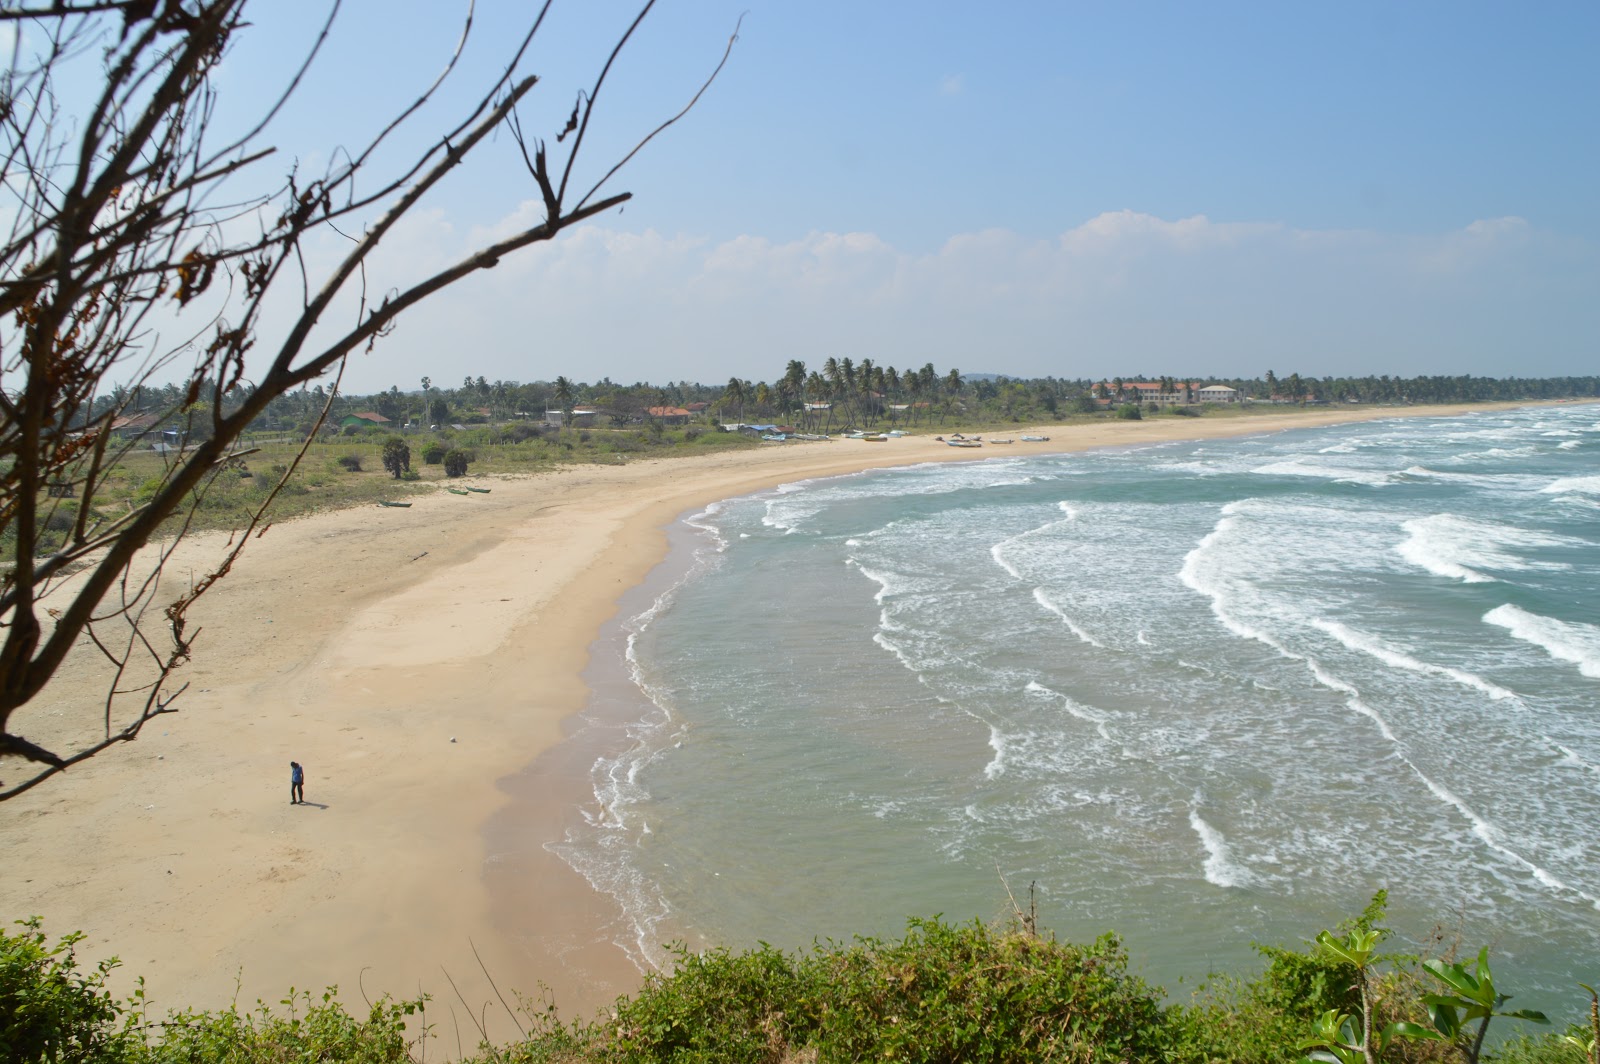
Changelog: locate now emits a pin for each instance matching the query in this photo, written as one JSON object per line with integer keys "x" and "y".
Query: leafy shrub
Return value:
{"x": 455, "y": 463}
{"x": 396, "y": 456}
{"x": 50, "y": 1009}
{"x": 410, "y": 474}
{"x": 1129, "y": 412}
{"x": 433, "y": 453}
{"x": 350, "y": 463}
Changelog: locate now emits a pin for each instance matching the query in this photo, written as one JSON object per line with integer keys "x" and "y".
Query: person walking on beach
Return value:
{"x": 297, "y": 784}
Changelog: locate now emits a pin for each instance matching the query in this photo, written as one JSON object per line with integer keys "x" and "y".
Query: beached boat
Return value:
{"x": 458, "y": 491}
{"x": 1036, "y": 439}
{"x": 481, "y": 491}
{"x": 775, "y": 437}
{"x": 875, "y": 437}
{"x": 386, "y": 502}
{"x": 953, "y": 442}
{"x": 810, "y": 437}
{"x": 894, "y": 434}
{"x": 1002, "y": 441}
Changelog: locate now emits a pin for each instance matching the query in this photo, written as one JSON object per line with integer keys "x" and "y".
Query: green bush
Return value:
{"x": 455, "y": 463}
{"x": 50, "y": 1009}
{"x": 434, "y": 452}
{"x": 1129, "y": 412}
{"x": 396, "y": 456}
{"x": 350, "y": 463}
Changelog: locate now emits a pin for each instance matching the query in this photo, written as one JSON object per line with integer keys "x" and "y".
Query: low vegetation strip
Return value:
{"x": 944, "y": 992}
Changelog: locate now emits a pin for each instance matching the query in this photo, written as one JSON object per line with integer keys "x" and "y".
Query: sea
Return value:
{"x": 1201, "y": 694}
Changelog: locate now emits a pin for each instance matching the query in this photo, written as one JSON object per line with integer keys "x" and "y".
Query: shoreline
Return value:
{"x": 426, "y": 665}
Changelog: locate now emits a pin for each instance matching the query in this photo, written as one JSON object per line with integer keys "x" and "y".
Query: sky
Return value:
{"x": 1079, "y": 190}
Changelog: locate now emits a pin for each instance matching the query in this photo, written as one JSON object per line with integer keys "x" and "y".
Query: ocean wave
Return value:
{"x": 1375, "y": 647}
{"x": 1570, "y": 641}
{"x": 1043, "y": 599}
{"x": 1297, "y": 467}
{"x": 1218, "y": 866}
{"x": 1088, "y": 714}
{"x": 1585, "y": 485}
{"x": 1460, "y": 548}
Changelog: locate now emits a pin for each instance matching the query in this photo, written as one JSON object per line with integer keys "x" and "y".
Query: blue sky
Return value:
{"x": 1079, "y": 190}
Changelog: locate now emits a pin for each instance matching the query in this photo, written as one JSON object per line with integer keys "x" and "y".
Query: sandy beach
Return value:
{"x": 415, "y": 661}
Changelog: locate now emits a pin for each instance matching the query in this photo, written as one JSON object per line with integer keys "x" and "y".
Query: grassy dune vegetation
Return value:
{"x": 340, "y": 471}
{"x": 942, "y": 993}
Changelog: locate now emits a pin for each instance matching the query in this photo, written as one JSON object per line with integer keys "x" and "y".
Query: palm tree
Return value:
{"x": 735, "y": 394}
{"x": 566, "y": 400}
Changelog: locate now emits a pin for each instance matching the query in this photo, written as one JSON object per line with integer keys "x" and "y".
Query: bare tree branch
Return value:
{"x": 123, "y": 223}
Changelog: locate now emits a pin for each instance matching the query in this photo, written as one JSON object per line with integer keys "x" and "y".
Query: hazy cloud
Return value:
{"x": 1122, "y": 292}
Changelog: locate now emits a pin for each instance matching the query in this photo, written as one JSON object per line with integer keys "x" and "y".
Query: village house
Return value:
{"x": 670, "y": 415}
{"x": 582, "y": 417}
{"x": 362, "y": 420}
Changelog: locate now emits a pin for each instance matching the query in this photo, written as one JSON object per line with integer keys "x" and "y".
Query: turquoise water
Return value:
{"x": 1200, "y": 693}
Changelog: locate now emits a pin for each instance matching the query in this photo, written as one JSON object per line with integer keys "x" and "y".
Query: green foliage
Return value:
{"x": 350, "y": 463}
{"x": 308, "y": 1031}
{"x": 433, "y": 453}
{"x": 52, "y": 1010}
{"x": 455, "y": 463}
{"x": 396, "y": 456}
{"x": 714, "y": 1006}
{"x": 943, "y": 993}
{"x": 1129, "y": 412}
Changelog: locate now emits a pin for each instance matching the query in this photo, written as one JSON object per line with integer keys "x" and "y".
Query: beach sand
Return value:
{"x": 423, "y": 664}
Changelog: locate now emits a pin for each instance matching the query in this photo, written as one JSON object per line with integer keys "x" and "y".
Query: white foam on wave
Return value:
{"x": 1099, "y": 718}
{"x": 1573, "y": 758}
{"x": 883, "y": 580}
{"x": 1570, "y": 445}
{"x": 1459, "y": 548}
{"x": 997, "y": 552}
{"x": 1338, "y": 474}
{"x": 1495, "y": 839}
{"x": 997, "y": 742}
{"x": 1219, "y": 867}
{"x": 1570, "y": 641}
{"x": 1372, "y": 645}
{"x": 705, "y": 523}
{"x": 1044, "y": 600}
{"x": 1586, "y": 485}
{"x": 1201, "y": 572}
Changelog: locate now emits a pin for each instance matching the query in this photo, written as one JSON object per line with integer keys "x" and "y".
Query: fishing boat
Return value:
{"x": 480, "y": 491}
{"x": 386, "y": 502}
{"x": 775, "y": 437}
{"x": 1002, "y": 441}
{"x": 458, "y": 491}
{"x": 963, "y": 442}
{"x": 875, "y": 437}
{"x": 1036, "y": 439}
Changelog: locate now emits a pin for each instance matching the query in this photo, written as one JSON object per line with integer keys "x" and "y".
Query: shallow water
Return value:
{"x": 1202, "y": 694}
